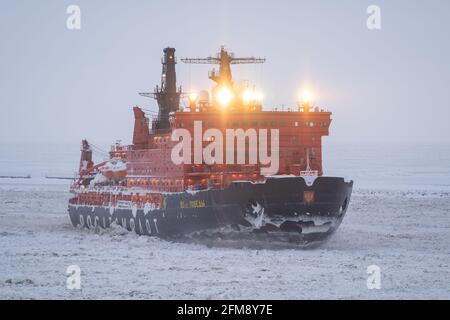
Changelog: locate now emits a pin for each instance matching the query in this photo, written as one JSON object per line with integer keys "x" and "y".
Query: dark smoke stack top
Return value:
{"x": 167, "y": 95}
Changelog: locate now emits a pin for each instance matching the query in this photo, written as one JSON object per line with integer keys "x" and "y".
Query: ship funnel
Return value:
{"x": 166, "y": 94}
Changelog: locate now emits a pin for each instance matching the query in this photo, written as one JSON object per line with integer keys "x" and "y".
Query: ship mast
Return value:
{"x": 224, "y": 60}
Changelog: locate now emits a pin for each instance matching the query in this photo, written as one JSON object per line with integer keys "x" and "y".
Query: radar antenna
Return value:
{"x": 224, "y": 60}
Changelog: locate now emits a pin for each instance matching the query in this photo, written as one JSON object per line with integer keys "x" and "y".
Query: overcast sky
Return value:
{"x": 385, "y": 85}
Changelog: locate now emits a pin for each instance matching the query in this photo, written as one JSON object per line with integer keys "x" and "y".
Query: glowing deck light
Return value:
{"x": 224, "y": 96}
{"x": 193, "y": 97}
{"x": 306, "y": 96}
{"x": 250, "y": 96}
{"x": 247, "y": 96}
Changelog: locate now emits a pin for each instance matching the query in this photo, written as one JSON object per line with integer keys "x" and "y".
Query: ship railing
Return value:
{"x": 120, "y": 148}
{"x": 297, "y": 109}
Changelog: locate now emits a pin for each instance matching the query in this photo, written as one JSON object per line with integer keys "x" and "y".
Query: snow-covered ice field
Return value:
{"x": 405, "y": 230}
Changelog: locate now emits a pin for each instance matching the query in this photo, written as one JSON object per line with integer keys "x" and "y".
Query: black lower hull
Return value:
{"x": 280, "y": 208}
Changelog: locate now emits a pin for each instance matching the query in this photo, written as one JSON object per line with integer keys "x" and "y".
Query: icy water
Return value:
{"x": 399, "y": 220}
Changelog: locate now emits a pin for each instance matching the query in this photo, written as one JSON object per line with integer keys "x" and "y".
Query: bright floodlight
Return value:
{"x": 306, "y": 96}
{"x": 248, "y": 96}
{"x": 193, "y": 97}
{"x": 224, "y": 96}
